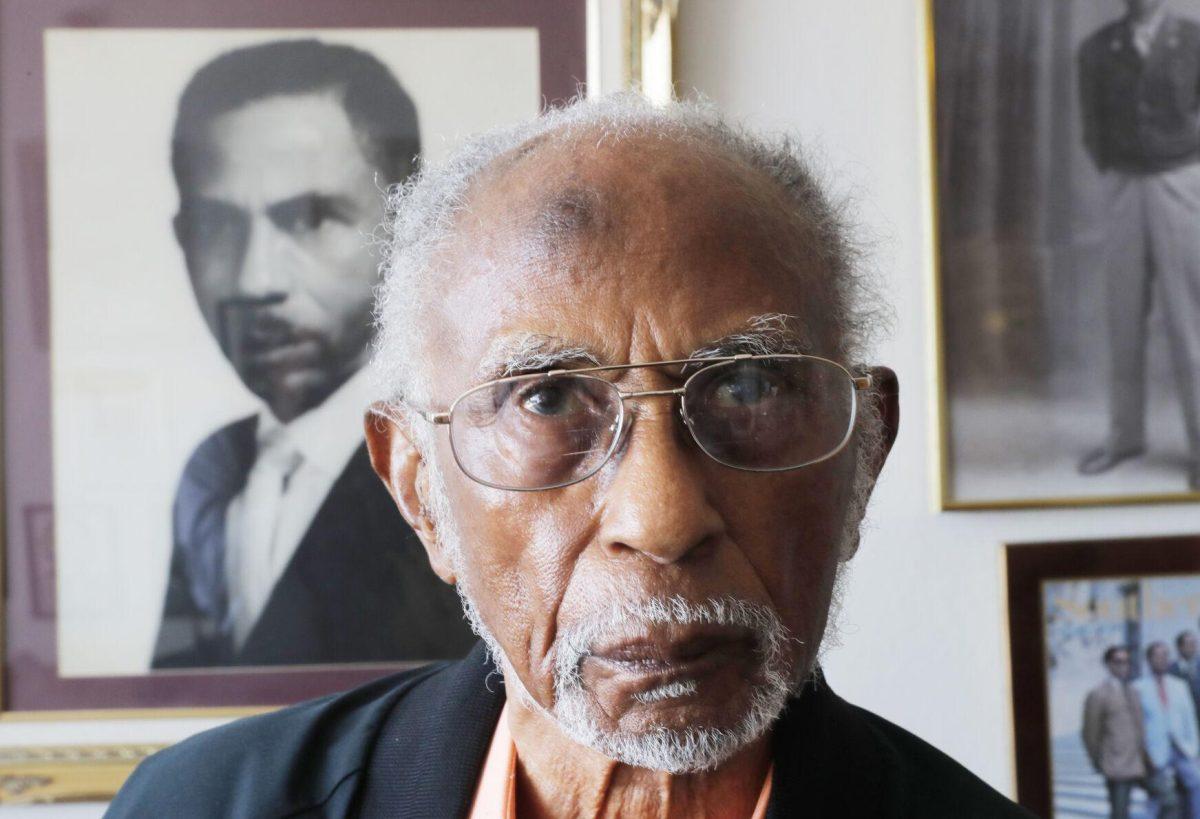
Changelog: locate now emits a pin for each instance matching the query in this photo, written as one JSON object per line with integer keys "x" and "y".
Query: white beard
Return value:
{"x": 696, "y": 748}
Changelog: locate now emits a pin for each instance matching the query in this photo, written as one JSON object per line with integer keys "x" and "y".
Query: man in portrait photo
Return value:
{"x": 1140, "y": 101}
{"x": 286, "y": 549}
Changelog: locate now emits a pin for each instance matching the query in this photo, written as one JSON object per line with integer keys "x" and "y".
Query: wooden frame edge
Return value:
{"x": 59, "y": 773}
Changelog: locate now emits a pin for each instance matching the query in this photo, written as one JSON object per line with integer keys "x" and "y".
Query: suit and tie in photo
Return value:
{"x": 1171, "y": 737}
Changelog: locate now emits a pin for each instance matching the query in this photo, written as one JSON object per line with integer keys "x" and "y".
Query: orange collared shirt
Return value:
{"x": 496, "y": 793}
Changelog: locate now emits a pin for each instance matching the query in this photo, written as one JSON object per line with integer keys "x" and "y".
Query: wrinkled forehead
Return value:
{"x": 630, "y": 246}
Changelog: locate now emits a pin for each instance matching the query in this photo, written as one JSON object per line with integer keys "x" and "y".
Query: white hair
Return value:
{"x": 423, "y": 217}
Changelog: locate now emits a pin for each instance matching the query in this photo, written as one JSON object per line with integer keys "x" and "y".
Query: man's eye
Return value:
{"x": 204, "y": 225}
{"x": 305, "y": 214}
{"x": 303, "y": 217}
{"x": 548, "y": 400}
{"x": 744, "y": 388}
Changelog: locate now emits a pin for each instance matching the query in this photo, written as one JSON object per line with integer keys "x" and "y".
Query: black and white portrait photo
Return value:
{"x": 213, "y": 226}
{"x": 1068, "y": 208}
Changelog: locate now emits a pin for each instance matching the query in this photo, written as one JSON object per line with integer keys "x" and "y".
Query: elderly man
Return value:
{"x": 286, "y": 549}
{"x": 623, "y": 415}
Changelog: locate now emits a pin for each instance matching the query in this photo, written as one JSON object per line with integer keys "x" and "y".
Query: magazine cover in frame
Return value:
{"x": 191, "y": 213}
{"x": 1067, "y": 162}
{"x": 1106, "y": 676}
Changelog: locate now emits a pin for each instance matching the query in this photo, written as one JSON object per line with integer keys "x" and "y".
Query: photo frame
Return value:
{"x": 1061, "y": 374}
{"x": 49, "y": 51}
{"x": 1068, "y": 604}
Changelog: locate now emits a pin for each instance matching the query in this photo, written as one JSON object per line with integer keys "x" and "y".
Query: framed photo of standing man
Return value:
{"x": 1067, "y": 155}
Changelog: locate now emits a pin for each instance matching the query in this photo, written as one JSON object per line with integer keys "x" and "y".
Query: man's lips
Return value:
{"x": 691, "y": 650}
{"x": 286, "y": 354}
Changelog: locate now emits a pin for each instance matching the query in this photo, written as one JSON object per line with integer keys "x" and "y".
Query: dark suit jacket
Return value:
{"x": 359, "y": 588}
{"x": 412, "y": 746}
{"x": 1140, "y": 114}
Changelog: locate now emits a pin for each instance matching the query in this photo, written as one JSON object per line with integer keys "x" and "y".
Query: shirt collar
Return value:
{"x": 327, "y": 435}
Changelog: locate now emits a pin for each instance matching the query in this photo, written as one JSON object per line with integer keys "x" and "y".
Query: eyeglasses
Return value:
{"x": 758, "y": 413}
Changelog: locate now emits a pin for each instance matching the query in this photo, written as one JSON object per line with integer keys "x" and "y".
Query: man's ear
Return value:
{"x": 179, "y": 226}
{"x": 400, "y": 466}
{"x": 884, "y": 396}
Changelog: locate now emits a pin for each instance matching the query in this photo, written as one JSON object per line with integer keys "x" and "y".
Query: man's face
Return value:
{"x": 275, "y": 234}
{"x": 1119, "y": 665}
{"x": 1160, "y": 659}
{"x": 1188, "y": 646}
{"x": 643, "y": 250}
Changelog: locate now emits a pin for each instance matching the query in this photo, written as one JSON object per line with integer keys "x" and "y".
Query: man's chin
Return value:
{"x": 290, "y": 391}
{"x": 711, "y": 691}
{"x": 679, "y": 727}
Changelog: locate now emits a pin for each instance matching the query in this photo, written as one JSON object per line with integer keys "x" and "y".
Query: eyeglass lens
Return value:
{"x": 763, "y": 414}
{"x": 770, "y": 414}
{"x": 535, "y": 432}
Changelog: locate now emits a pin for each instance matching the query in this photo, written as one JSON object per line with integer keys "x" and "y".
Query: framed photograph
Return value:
{"x": 1067, "y": 189}
{"x": 188, "y": 204}
{"x": 1105, "y": 671}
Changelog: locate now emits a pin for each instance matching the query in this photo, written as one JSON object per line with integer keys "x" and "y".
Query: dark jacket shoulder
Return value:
{"x": 1100, "y": 41}
{"x": 304, "y": 760}
{"x": 933, "y": 783}
{"x": 841, "y": 760}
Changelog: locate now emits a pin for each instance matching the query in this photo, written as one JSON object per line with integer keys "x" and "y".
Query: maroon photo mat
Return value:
{"x": 30, "y": 681}
{"x": 1028, "y": 565}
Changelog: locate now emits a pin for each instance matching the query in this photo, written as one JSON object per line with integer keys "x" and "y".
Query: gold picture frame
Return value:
{"x": 647, "y": 47}
{"x": 946, "y": 301}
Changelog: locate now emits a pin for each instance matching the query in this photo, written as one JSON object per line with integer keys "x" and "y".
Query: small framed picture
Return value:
{"x": 1067, "y": 191}
{"x": 1105, "y": 642}
{"x": 191, "y": 198}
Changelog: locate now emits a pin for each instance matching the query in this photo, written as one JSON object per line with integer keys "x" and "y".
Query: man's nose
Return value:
{"x": 657, "y": 503}
{"x": 263, "y": 269}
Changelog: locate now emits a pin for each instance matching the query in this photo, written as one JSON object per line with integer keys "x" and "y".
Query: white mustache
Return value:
{"x": 630, "y": 617}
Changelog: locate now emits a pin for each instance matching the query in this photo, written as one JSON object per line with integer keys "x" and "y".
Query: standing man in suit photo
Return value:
{"x": 1140, "y": 100}
{"x": 1172, "y": 742}
{"x": 286, "y": 548}
{"x": 1112, "y": 732}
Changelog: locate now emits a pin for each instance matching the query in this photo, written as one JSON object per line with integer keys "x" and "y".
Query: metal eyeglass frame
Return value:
{"x": 859, "y": 382}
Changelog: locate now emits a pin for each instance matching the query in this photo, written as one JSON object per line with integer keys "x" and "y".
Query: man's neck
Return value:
{"x": 557, "y": 777}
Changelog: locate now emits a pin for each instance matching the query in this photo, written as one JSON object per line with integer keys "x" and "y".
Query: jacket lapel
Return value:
{"x": 432, "y": 748}
{"x": 827, "y": 761}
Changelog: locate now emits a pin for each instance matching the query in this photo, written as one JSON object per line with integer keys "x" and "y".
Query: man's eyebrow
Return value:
{"x": 768, "y": 334}
{"x": 532, "y": 353}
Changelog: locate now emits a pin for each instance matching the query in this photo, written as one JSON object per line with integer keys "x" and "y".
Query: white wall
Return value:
{"x": 925, "y": 633}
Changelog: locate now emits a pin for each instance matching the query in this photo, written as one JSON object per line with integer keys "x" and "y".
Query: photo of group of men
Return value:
{"x": 1142, "y": 732}
{"x": 1123, "y": 679}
